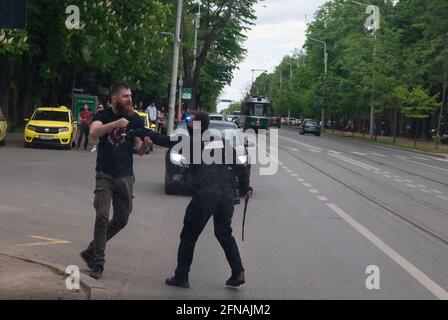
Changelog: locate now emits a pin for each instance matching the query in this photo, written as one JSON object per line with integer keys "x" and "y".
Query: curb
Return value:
{"x": 94, "y": 289}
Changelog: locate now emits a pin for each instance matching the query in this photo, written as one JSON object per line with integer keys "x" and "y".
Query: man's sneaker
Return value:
{"x": 93, "y": 149}
{"x": 88, "y": 258}
{"x": 181, "y": 282}
{"x": 236, "y": 279}
{"x": 96, "y": 272}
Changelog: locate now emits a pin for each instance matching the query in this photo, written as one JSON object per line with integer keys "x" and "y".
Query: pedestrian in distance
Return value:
{"x": 114, "y": 178}
{"x": 85, "y": 119}
{"x": 95, "y": 142}
{"x": 152, "y": 113}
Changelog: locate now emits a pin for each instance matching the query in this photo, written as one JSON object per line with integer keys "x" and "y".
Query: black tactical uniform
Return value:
{"x": 213, "y": 191}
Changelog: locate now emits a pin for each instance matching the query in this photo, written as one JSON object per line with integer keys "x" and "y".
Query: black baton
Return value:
{"x": 244, "y": 215}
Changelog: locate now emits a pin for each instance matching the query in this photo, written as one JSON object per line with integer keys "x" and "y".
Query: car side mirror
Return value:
{"x": 27, "y": 120}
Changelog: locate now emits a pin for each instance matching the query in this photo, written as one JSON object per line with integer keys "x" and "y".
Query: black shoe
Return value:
{"x": 96, "y": 273}
{"x": 236, "y": 279}
{"x": 88, "y": 258}
{"x": 181, "y": 282}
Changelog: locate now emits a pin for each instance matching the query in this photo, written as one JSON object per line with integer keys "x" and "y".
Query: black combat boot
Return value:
{"x": 88, "y": 258}
{"x": 178, "y": 281}
{"x": 236, "y": 279}
{"x": 97, "y": 272}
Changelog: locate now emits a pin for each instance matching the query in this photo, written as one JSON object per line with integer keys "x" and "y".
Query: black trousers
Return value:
{"x": 83, "y": 131}
{"x": 216, "y": 201}
{"x": 119, "y": 192}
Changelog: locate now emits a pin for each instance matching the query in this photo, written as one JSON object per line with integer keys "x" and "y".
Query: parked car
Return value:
{"x": 275, "y": 122}
{"x": 310, "y": 126}
{"x": 51, "y": 126}
{"x": 3, "y": 128}
{"x": 216, "y": 117}
{"x": 177, "y": 178}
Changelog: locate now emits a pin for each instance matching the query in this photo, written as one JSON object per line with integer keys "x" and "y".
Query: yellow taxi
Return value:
{"x": 145, "y": 117}
{"x": 51, "y": 126}
{"x": 152, "y": 127}
{"x": 3, "y": 128}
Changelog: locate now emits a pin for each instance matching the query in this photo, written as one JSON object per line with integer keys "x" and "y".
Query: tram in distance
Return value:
{"x": 256, "y": 113}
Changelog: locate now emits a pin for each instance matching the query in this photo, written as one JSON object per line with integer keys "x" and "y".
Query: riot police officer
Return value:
{"x": 213, "y": 192}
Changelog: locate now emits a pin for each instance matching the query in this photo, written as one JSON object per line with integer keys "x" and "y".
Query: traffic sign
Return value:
{"x": 187, "y": 93}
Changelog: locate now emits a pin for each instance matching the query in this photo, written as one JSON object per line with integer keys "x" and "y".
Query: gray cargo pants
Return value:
{"x": 118, "y": 191}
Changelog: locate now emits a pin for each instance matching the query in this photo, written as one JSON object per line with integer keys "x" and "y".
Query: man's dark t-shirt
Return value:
{"x": 115, "y": 153}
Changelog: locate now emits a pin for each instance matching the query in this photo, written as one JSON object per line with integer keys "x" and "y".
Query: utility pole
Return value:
{"x": 175, "y": 66}
{"x": 325, "y": 77}
{"x": 197, "y": 25}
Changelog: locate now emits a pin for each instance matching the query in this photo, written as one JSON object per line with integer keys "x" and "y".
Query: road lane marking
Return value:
{"x": 48, "y": 241}
{"x": 314, "y": 191}
{"x": 378, "y": 154}
{"x": 293, "y": 149}
{"x": 426, "y": 165}
{"x": 322, "y": 198}
{"x": 398, "y": 180}
{"x": 411, "y": 185}
{"x": 294, "y": 175}
{"x": 407, "y": 180}
{"x": 386, "y": 172}
{"x": 442, "y": 197}
{"x": 355, "y": 162}
{"x": 302, "y": 144}
{"x": 424, "y": 190}
{"x": 398, "y": 177}
{"x": 421, "y": 158}
{"x": 359, "y": 153}
{"x": 387, "y": 176}
{"x": 436, "y": 191}
{"x": 300, "y": 180}
{"x": 421, "y": 186}
{"x": 307, "y": 185}
{"x": 418, "y": 275}
{"x": 289, "y": 171}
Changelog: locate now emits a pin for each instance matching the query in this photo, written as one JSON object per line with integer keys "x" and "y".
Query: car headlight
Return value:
{"x": 31, "y": 128}
{"x": 177, "y": 158}
{"x": 66, "y": 129}
{"x": 243, "y": 159}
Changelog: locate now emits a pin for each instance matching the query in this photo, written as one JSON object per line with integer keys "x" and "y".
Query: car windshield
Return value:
{"x": 312, "y": 123}
{"x": 51, "y": 116}
{"x": 228, "y": 132}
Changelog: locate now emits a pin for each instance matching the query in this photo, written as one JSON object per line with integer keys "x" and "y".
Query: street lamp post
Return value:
{"x": 175, "y": 66}
{"x": 325, "y": 75}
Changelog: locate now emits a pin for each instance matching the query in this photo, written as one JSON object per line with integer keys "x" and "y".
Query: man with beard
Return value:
{"x": 114, "y": 172}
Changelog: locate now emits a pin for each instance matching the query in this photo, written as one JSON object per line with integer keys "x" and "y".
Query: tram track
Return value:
{"x": 376, "y": 201}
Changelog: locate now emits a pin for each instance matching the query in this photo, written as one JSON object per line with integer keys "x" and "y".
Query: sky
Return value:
{"x": 280, "y": 28}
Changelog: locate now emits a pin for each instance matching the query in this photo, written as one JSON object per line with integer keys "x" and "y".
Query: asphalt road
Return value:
{"x": 333, "y": 208}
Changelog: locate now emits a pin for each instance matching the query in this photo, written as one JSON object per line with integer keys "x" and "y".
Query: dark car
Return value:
{"x": 276, "y": 122}
{"x": 310, "y": 126}
{"x": 177, "y": 178}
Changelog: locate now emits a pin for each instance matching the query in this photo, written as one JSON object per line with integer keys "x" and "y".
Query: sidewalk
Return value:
{"x": 23, "y": 280}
